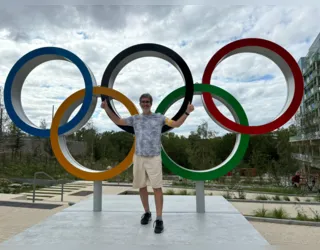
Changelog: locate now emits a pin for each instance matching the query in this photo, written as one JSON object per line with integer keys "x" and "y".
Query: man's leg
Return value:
{"x": 154, "y": 172}
{"x": 144, "y": 198}
{"x": 140, "y": 181}
{"x": 158, "y": 196}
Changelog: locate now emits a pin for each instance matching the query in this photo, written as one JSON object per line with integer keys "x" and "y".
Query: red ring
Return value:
{"x": 285, "y": 117}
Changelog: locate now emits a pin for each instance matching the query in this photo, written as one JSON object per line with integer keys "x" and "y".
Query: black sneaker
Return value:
{"x": 145, "y": 218}
{"x": 159, "y": 226}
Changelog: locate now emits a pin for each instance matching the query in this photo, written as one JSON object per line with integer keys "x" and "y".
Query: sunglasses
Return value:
{"x": 145, "y": 102}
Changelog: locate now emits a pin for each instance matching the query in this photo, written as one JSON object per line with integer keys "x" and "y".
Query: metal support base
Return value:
{"x": 97, "y": 196}
{"x": 200, "y": 197}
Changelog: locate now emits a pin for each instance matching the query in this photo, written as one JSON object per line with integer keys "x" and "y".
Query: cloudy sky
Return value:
{"x": 98, "y": 33}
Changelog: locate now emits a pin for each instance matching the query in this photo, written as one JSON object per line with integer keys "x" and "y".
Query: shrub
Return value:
{"x": 242, "y": 194}
{"x": 183, "y": 192}
{"x": 169, "y": 192}
{"x": 262, "y": 197}
{"x": 276, "y": 198}
{"x": 261, "y": 212}
{"x": 317, "y": 198}
{"x": 4, "y": 182}
{"x": 279, "y": 213}
{"x": 286, "y": 198}
{"x": 301, "y": 216}
{"x": 228, "y": 194}
{"x": 316, "y": 215}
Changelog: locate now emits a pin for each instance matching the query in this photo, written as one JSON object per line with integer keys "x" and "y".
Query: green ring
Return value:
{"x": 242, "y": 140}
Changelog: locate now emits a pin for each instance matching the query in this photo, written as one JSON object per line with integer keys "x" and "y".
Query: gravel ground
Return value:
{"x": 278, "y": 234}
{"x": 14, "y": 220}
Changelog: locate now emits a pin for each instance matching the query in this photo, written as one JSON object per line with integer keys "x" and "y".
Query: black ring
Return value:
{"x": 148, "y": 50}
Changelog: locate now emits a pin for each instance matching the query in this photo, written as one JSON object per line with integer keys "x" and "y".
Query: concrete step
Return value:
{"x": 68, "y": 188}
{"x": 81, "y": 183}
{"x": 44, "y": 192}
{"x": 57, "y": 189}
{"x": 36, "y": 199}
{"x": 74, "y": 186}
{"x": 41, "y": 195}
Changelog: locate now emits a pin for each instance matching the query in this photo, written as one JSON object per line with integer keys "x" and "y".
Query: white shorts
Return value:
{"x": 147, "y": 171}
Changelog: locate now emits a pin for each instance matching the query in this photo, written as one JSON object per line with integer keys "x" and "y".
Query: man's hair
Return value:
{"x": 146, "y": 95}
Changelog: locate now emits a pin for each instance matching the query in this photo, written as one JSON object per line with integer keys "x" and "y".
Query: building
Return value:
{"x": 306, "y": 143}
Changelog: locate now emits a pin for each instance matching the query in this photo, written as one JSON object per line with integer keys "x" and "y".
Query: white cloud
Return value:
{"x": 97, "y": 34}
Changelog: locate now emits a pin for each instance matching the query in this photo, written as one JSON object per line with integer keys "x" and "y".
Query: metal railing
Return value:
{"x": 54, "y": 180}
{"x": 302, "y": 157}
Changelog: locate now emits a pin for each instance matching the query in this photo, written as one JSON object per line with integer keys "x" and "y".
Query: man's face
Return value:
{"x": 145, "y": 104}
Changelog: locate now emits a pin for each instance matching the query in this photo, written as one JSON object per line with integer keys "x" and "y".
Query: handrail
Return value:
{"x": 61, "y": 188}
{"x": 34, "y": 184}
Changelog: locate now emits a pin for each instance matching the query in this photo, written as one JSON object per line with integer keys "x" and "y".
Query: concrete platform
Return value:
{"x": 118, "y": 226}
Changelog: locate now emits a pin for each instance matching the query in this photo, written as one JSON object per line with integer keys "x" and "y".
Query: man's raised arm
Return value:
{"x": 181, "y": 120}
{"x": 112, "y": 115}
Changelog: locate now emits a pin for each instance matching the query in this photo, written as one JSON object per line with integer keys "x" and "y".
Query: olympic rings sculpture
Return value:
{"x": 89, "y": 95}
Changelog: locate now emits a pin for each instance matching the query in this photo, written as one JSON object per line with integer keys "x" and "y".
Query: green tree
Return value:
{"x": 293, "y": 130}
{"x": 175, "y": 146}
{"x": 225, "y": 145}
{"x": 203, "y": 131}
{"x": 260, "y": 161}
{"x": 17, "y": 135}
{"x": 47, "y": 143}
{"x": 202, "y": 148}
{"x": 287, "y": 164}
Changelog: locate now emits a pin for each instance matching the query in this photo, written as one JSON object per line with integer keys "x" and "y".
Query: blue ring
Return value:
{"x": 86, "y": 101}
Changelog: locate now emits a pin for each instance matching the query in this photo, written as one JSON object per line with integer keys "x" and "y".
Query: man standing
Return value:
{"x": 296, "y": 180}
{"x": 147, "y": 162}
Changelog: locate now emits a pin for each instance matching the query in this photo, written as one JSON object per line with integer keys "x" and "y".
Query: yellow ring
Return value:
{"x": 54, "y": 137}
